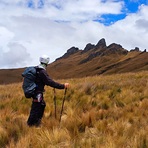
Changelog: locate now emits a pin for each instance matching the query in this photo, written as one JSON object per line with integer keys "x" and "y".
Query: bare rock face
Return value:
{"x": 88, "y": 47}
{"x": 104, "y": 50}
{"x": 69, "y": 52}
{"x": 136, "y": 49}
{"x": 101, "y": 44}
{"x": 116, "y": 48}
{"x": 72, "y": 50}
{"x": 100, "y": 49}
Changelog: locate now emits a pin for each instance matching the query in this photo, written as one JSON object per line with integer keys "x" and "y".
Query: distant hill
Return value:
{"x": 98, "y": 59}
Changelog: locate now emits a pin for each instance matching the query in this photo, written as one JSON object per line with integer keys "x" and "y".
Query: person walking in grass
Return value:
{"x": 38, "y": 103}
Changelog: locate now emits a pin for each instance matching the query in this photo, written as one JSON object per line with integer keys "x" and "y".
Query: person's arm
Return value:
{"x": 48, "y": 81}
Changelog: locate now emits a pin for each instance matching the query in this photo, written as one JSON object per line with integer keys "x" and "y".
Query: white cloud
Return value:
{"x": 5, "y": 37}
{"x": 15, "y": 56}
{"x": 26, "y": 33}
{"x": 131, "y": 31}
{"x": 82, "y": 10}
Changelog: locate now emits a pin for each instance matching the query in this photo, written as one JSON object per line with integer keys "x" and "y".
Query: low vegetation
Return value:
{"x": 99, "y": 112}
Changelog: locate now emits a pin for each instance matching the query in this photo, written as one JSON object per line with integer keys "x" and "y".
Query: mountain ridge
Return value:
{"x": 108, "y": 58}
{"x": 98, "y": 59}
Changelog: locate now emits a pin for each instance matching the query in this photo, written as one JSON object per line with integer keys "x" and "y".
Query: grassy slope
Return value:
{"x": 8, "y": 76}
{"x": 71, "y": 68}
{"x": 109, "y": 64}
{"x": 100, "y": 111}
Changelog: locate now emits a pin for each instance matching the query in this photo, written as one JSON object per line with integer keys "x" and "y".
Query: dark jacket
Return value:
{"x": 43, "y": 79}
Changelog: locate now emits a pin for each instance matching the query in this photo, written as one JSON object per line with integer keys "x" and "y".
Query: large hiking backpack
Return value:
{"x": 29, "y": 84}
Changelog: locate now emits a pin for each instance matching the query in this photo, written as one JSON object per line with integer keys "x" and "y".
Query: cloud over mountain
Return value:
{"x": 52, "y": 26}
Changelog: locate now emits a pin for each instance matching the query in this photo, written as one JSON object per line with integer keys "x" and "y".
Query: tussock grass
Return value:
{"x": 100, "y": 111}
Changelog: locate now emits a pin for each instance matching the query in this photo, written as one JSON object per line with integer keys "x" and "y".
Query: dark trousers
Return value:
{"x": 36, "y": 113}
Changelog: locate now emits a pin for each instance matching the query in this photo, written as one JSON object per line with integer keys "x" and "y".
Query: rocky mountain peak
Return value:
{"x": 101, "y": 43}
{"x": 69, "y": 52}
{"x": 116, "y": 48}
{"x": 72, "y": 50}
{"x": 88, "y": 47}
{"x": 136, "y": 49}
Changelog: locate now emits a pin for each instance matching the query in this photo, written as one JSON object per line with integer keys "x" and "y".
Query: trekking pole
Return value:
{"x": 63, "y": 104}
{"x": 55, "y": 106}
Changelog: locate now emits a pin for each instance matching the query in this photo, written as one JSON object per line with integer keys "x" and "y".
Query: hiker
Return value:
{"x": 38, "y": 103}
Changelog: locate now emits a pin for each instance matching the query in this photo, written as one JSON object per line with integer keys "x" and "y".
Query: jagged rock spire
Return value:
{"x": 72, "y": 50}
{"x": 101, "y": 43}
{"x": 88, "y": 47}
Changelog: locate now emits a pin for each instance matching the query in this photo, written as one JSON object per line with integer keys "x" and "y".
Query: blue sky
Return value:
{"x": 31, "y": 28}
{"x": 130, "y": 6}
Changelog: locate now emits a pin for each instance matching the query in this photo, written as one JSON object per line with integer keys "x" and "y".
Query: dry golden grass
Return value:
{"x": 99, "y": 112}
